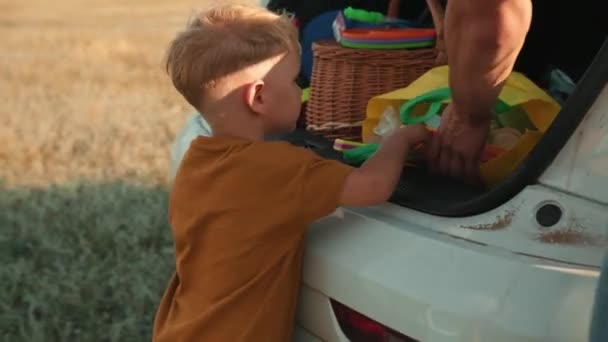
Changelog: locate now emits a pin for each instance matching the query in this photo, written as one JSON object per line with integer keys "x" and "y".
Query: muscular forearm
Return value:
{"x": 483, "y": 39}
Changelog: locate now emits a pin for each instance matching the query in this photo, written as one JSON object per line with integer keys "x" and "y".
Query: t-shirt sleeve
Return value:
{"x": 315, "y": 183}
{"x": 322, "y": 185}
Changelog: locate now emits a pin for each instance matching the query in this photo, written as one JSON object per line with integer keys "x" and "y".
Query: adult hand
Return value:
{"x": 456, "y": 148}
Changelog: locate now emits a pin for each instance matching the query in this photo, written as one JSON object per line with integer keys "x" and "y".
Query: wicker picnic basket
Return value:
{"x": 343, "y": 81}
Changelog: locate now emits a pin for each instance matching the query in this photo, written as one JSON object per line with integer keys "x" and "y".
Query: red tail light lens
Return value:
{"x": 359, "y": 328}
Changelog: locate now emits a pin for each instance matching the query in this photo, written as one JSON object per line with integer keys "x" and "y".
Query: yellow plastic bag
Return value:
{"x": 519, "y": 91}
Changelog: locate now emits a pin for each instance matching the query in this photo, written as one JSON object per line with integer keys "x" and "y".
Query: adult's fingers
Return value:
{"x": 445, "y": 159}
{"x": 456, "y": 167}
{"x": 434, "y": 153}
{"x": 472, "y": 174}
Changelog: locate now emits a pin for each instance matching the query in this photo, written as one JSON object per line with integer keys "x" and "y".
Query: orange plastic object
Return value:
{"x": 387, "y": 34}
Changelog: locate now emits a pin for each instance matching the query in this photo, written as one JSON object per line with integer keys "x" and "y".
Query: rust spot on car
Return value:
{"x": 566, "y": 236}
{"x": 572, "y": 234}
{"x": 501, "y": 222}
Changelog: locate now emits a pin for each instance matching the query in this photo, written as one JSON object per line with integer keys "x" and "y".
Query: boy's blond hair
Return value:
{"x": 223, "y": 40}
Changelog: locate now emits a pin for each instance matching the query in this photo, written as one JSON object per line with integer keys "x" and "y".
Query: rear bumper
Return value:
{"x": 433, "y": 287}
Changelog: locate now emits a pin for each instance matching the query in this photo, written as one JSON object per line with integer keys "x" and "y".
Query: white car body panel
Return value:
{"x": 582, "y": 166}
{"x": 433, "y": 285}
{"x": 578, "y": 238}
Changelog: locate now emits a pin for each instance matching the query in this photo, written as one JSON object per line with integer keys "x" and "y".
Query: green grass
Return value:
{"x": 82, "y": 262}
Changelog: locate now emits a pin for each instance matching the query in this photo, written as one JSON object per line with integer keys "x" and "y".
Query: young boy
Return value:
{"x": 240, "y": 206}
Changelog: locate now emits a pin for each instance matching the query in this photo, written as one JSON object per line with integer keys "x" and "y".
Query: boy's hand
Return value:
{"x": 416, "y": 137}
{"x": 414, "y": 134}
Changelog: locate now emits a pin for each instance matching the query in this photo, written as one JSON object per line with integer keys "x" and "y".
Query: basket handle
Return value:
{"x": 438, "y": 14}
{"x": 393, "y": 8}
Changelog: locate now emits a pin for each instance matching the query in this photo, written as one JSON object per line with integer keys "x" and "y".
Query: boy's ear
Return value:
{"x": 254, "y": 96}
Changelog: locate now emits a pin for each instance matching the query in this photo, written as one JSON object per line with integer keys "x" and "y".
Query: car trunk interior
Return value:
{"x": 436, "y": 195}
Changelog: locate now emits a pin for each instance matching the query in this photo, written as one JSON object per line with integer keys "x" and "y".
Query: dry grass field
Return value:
{"x": 87, "y": 116}
{"x": 82, "y": 90}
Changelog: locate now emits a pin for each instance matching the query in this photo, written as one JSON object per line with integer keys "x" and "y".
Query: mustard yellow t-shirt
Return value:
{"x": 239, "y": 211}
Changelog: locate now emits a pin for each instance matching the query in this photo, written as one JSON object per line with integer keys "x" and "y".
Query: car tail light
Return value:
{"x": 359, "y": 328}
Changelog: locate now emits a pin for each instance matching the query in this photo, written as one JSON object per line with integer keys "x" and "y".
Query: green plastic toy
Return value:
{"x": 364, "y": 16}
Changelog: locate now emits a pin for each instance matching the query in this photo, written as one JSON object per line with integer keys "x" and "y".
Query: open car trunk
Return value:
{"x": 440, "y": 196}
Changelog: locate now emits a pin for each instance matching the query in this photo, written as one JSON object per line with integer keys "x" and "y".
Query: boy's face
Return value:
{"x": 283, "y": 95}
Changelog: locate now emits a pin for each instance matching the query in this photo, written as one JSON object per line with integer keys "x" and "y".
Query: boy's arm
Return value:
{"x": 374, "y": 182}
{"x": 316, "y": 186}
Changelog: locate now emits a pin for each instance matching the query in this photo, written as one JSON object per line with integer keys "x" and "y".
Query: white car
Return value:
{"x": 443, "y": 262}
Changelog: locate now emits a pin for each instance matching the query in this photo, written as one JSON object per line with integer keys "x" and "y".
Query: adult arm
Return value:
{"x": 483, "y": 39}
